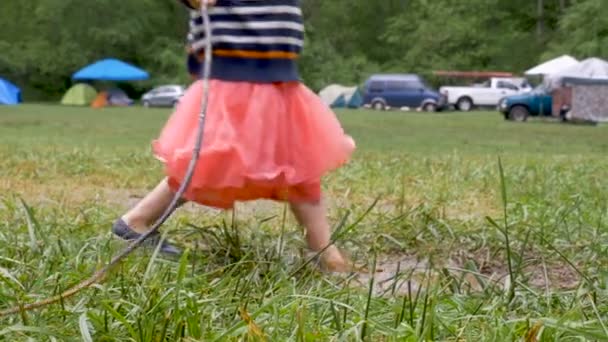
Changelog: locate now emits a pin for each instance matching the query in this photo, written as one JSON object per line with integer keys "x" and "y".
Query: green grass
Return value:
{"x": 423, "y": 189}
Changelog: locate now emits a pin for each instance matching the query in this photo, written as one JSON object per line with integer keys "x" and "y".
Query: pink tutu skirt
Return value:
{"x": 261, "y": 141}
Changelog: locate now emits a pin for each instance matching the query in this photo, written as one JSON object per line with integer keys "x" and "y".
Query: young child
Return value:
{"x": 266, "y": 135}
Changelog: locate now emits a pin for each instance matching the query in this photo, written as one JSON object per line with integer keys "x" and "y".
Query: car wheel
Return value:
{"x": 464, "y": 104}
{"x": 175, "y": 103}
{"x": 378, "y": 105}
{"x": 146, "y": 104}
{"x": 519, "y": 114}
{"x": 429, "y": 107}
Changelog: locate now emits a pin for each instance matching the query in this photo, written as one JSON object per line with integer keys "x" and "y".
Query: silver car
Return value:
{"x": 163, "y": 96}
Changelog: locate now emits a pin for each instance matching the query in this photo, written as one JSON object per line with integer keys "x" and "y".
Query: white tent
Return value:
{"x": 552, "y": 66}
{"x": 589, "y": 68}
{"x": 331, "y": 93}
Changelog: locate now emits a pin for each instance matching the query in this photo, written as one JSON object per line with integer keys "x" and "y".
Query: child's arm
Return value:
{"x": 194, "y": 4}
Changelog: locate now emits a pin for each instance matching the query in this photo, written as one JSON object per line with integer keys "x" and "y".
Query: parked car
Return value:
{"x": 163, "y": 96}
{"x": 538, "y": 102}
{"x": 386, "y": 91}
{"x": 487, "y": 94}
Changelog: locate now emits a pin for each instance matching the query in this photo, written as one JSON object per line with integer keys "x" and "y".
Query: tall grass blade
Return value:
{"x": 579, "y": 331}
{"x": 32, "y": 225}
{"x": 503, "y": 190}
{"x": 253, "y": 329}
{"x": 370, "y": 293}
{"x": 425, "y": 304}
{"x": 121, "y": 319}
{"x": 335, "y": 316}
{"x": 22, "y": 329}
{"x": 83, "y": 324}
{"x": 282, "y": 234}
{"x": 599, "y": 316}
{"x": 10, "y": 279}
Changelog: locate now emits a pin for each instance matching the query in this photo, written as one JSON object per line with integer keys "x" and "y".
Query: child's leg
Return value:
{"x": 313, "y": 216}
{"x": 150, "y": 208}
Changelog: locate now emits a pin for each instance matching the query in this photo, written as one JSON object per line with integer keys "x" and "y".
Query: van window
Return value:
{"x": 376, "y": 86}
{"x": 396, "y": 85}
{"x": 414, "y": 85}
{"x": 403, "y": 85}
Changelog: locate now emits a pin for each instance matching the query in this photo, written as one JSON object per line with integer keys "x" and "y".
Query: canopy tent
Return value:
{"x": 10, "y": 94}
{"x": 590, "y": 68}
{"x": 552, "y": 66}
{"x": 339, "y": 96}
{"x": 111, "y": 70}
{"x": 79, "y": 95}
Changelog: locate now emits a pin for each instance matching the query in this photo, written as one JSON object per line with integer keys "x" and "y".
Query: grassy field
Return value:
{"x": 462, "y": 253}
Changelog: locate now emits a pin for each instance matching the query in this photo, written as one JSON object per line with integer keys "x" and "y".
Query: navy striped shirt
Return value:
{"x": 253, "y": 40}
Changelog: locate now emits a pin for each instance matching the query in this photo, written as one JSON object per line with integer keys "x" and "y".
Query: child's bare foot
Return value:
{"x": 332, "y": 260}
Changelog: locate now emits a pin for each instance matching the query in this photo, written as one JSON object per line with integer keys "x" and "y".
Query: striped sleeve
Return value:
{"x": 255, "y": 28}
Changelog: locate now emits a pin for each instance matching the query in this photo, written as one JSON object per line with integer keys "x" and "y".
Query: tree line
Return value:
{"x": 43, "y": 42}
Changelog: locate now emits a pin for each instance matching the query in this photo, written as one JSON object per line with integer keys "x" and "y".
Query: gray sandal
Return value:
{"x": 123, "y": 231}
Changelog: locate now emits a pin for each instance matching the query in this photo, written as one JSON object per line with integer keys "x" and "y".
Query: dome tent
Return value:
{"x": 10, "y": 94}
{"x": 80, "y": 94}
{"x": 339, "y": 96}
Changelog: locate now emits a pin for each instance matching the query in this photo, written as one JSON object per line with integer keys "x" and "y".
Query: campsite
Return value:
{"x": 473, "y": 207}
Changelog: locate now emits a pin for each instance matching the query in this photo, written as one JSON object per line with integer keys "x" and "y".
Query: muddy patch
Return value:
{"x": 408, "y": 274}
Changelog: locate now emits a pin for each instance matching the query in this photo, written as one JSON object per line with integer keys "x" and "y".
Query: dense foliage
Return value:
{"x": 43, "y": 42}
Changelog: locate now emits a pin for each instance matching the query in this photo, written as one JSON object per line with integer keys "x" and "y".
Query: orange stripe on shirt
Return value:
{"x": 255, "y": 54}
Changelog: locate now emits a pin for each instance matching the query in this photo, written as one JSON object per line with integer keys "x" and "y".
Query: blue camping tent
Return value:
{"x": 111, "y": 70}
{"x": 348, "y": 101}
{"x": 339, "y": 102}
{"x": 339, "y": 96}
{"x": 10, "y": 94}
{"x": 356, "y": 100}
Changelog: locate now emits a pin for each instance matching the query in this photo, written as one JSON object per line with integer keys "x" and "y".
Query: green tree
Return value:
{"x": 583, "y": 30}
{"x": 463, "y": 35}
{"x": 44, "y": 42}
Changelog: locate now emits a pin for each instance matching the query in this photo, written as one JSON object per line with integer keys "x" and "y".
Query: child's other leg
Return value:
{"x": 139, "y": 219}
{"x": 313, "y": 216}
{"x": 150, "y": 208}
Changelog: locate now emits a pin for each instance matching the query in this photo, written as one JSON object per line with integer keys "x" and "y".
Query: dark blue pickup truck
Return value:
{"x": 538, "y": 102}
